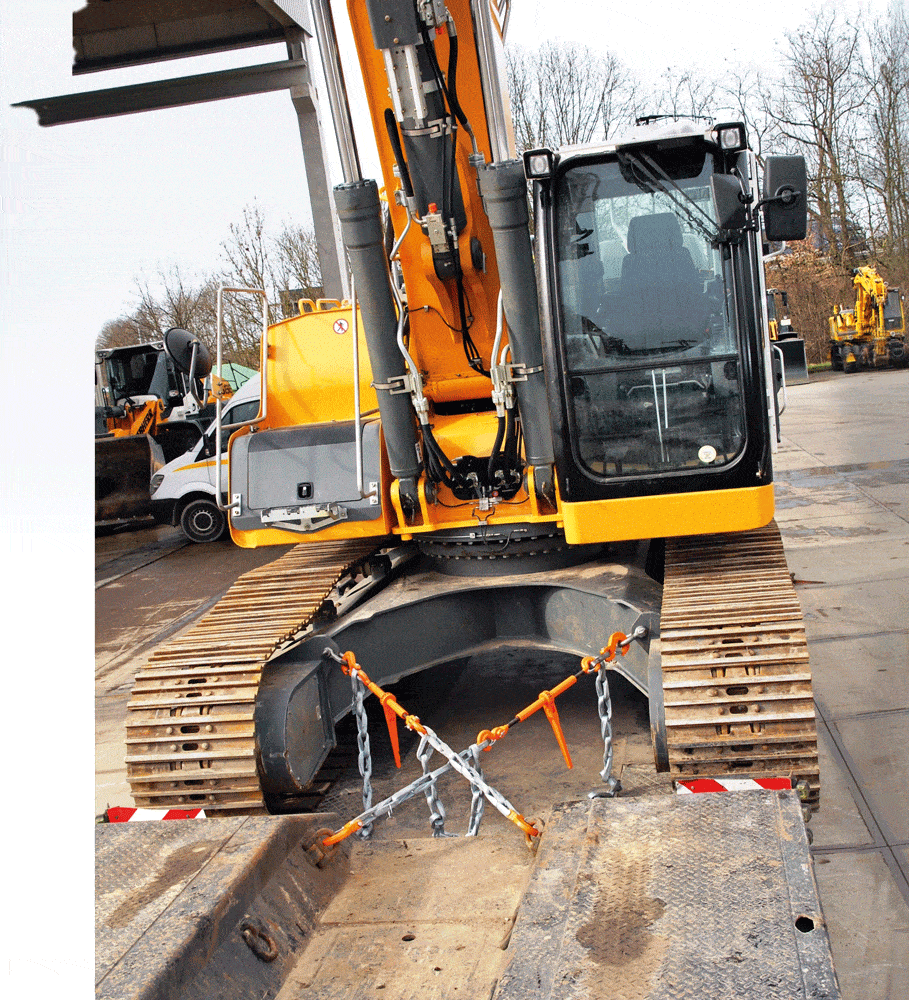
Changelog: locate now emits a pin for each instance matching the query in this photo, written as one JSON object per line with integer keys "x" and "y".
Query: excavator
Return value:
{"x": 784, "y": 340}
{"x": 150, "y": 407}
{"x": 779, "y": 322}
{"x": 536, "y": 440}
{"x": 555, "y": 439}
{"x": 872, "y": 333}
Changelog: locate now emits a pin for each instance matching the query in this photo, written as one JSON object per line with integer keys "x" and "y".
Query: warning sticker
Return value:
{"x": 341, "y": 326}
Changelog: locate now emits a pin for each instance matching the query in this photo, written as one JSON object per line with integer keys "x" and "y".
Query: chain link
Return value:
{"x": 472, "y": 775}
{"x": 604, "y": 708}
{"x": 436, "y": 808}
{"x": 467, "y": 763}
{"x": 477, "y": 800}
{"x": 365, "y": 756}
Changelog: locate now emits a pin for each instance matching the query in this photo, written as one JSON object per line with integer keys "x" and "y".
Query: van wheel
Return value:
{"x": 201, "y": 521}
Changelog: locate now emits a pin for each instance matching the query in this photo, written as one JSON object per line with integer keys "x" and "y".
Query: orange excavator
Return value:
{"x": 503, "y": 439}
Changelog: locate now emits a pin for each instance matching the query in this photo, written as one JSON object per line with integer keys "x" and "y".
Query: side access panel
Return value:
{"x": 701, "y": 896}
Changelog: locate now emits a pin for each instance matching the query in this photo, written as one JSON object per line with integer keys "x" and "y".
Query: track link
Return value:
{"x": 736, "y": 679}
{"x": 190, "y": 730}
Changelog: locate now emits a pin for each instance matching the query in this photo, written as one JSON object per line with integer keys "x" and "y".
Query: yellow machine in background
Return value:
{"x": 507, "y": 442}
{"x": 873, "y": 332}
{"x": 778, "y": 315}
{"x": 150, "y": 407}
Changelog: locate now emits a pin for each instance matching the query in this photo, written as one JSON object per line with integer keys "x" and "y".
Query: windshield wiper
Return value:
{"x": 657, "y": 178}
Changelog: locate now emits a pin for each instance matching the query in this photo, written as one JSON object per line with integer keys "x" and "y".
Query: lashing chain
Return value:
{"x": 467, "y": 763}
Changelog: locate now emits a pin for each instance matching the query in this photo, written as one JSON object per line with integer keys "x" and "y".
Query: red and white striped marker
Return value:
{"x": 127, "y": 814}
{"x": 696, "y": 785}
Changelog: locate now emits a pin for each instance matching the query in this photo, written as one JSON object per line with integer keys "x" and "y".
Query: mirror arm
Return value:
{"x": 788, "y": 197}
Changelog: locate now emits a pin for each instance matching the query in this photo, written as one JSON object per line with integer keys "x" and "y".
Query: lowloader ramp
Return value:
{"x": 701, "y": 896}
{"x": 206, "y": 908}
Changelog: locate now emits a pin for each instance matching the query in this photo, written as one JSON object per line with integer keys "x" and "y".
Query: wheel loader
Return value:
{"x": 150, "y": 407}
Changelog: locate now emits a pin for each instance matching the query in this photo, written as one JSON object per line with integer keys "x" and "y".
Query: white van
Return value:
{"x": 183, "y": 492}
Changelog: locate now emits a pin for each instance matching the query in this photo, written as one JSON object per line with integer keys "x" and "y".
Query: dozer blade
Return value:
{"x": 123, "y": 470}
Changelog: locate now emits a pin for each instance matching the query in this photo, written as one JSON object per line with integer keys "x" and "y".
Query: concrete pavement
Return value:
{"x": 842, "y": 476}
{"x": 843, "y": 508}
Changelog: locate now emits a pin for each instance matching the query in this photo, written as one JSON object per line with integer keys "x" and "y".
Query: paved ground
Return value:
{"x": 843, "y": 507}
{"x": 148, "y": 585}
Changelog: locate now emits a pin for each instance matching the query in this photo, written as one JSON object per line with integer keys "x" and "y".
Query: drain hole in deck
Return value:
{"x": 409, "y": 937}
{"x": 804, "y": 924}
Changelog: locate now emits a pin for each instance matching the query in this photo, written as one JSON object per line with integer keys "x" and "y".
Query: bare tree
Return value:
{"x": 815, "y": 109}
{"x": 564, "y": 93}
{"x": 176, "y": 300}
{"x": 296, "y": 261}
{"x": 285, "y": 266}
{"x": 122, "y": 332}
{"x": 742, "y": 92}
{"x": 884, "y": 153}
{"x": 682, "y": 94}
{"x": 169, "y": 299}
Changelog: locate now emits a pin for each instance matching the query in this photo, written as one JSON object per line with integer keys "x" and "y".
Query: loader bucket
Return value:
{"x": 123, "y": 470}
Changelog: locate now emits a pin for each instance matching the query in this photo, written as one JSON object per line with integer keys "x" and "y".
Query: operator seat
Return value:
{"x": 661, "y": 292}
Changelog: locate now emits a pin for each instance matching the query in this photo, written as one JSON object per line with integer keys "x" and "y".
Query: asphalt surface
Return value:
{"x": 842, "y": 475}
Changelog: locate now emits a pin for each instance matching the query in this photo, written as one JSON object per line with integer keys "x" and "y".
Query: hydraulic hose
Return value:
{"x": 494, "y": 456}
{"x": 394, "y": 137}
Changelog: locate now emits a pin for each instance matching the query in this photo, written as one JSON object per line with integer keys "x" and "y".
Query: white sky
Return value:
{"x": 88, "y": 207}
{"x": 85, "y": 209}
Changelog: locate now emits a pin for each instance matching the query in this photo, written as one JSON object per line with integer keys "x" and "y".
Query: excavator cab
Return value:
{"x": 650, "y": 261}
{"x": 894, "y": 319}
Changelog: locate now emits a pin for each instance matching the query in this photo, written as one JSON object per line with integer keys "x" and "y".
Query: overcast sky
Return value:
{"x": 85, "y": 210}
{"x": 89, "y": 207}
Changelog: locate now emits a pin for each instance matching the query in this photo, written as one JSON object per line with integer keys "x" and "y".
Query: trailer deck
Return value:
{"x": 652, "y": 897}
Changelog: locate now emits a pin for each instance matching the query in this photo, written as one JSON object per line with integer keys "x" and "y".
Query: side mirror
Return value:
{"x": 731, "y": 211}
{"x": 785, "y": 198}
{"x": 189, "y": 354}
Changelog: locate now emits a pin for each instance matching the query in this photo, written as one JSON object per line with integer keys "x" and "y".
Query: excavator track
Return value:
{"x": 736, "y": 680}
{"x": 190, "y": 731}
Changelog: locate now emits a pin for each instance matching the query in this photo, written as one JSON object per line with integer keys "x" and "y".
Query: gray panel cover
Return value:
{"x": 278, "y": 461}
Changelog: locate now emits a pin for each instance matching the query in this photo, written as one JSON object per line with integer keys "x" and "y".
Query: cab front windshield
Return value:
{"x": 647, "y": 318}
